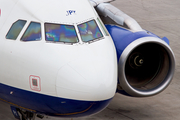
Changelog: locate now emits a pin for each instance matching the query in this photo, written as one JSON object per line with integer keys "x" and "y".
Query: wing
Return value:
{"x": 113, "y": 14}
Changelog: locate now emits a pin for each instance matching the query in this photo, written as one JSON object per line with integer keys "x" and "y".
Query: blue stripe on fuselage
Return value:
{"x": 49, "y": 105}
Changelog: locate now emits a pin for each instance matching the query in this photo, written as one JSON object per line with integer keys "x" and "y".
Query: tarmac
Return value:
{"x": 161, "y": 17}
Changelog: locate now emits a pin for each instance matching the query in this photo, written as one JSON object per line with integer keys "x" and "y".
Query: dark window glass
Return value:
{"x": 60, "y": 33}
{"x": 33, "y": 32}
{"x": 15, "y": 29}
{"x": 89, "y": 31}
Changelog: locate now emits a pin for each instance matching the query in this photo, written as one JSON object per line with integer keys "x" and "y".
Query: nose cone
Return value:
{"x": 92, "y": 75}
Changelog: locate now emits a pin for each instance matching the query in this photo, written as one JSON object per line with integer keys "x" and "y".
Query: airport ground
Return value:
{"x": 161, "y": 17}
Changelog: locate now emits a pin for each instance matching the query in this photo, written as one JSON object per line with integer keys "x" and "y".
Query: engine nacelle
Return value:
{"x": 146, "y": 63}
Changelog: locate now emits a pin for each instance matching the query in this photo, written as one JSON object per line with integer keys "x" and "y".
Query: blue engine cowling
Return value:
{"x": 146, "y": 63}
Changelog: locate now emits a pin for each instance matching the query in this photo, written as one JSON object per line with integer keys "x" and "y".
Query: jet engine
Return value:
{"x": 146, "y": 63}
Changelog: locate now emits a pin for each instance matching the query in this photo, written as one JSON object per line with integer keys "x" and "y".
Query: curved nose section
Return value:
{"x": 91, "y": 76}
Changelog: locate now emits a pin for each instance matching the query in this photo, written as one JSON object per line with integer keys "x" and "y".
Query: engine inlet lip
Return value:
{"x": 122, "y": 62}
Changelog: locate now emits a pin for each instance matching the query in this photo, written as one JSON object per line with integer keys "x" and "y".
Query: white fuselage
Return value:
{"x": 80, "y": 71}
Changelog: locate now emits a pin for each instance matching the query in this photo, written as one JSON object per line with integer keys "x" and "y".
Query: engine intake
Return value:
{"x": 146, "y": 67}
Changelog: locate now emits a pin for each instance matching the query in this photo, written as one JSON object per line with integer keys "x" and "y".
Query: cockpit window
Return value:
{"x": 103, "y": 27}
{"x": 15, "y": 29}
{"x": 33, "y": 32}
{"x": 60, "y": 33}
{"x": 89, "y": 31}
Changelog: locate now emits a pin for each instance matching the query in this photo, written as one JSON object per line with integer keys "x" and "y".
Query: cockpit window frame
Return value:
{"x": 95, "y": 39}
{"x": 28, "y": 28}
{"x": 103, "y": 27}
{"x": 16, "y": 36}
{"x": 61, "y": 42}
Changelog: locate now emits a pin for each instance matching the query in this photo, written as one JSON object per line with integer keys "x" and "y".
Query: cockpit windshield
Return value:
{"x": 60, "y": 33}
{"x": 89, "y": 31}
{"x": 54, "y": 32}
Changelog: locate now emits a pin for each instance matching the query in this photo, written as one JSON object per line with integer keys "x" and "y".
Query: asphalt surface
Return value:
{"x": 161, "y": 17}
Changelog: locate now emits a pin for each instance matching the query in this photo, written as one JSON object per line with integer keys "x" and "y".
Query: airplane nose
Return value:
{"x": 92, "y": 75}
